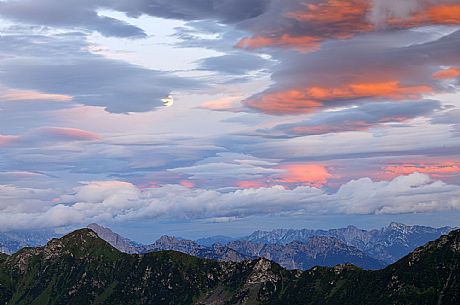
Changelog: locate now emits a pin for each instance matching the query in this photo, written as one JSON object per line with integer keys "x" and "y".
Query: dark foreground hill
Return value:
{"x": 82, "y": 269}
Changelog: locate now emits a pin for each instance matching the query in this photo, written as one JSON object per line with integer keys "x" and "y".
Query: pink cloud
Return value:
{"x": 5, "y": 140}
{"x": 437, "y": 169}
{"x": 305, "y": 174}
{"x": 73, "y": 134}
{"x": 31, "y": 95}
{"x": 187, "y": 183}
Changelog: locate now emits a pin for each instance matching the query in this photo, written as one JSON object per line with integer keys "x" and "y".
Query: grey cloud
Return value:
{"x": 83, "y": 14}
{"x": 82, "y": 154}
{"x": 229, "y": 166}
{"x": 358, "y": 118}
{"x": 449, "y": 117}
{"x": 237, "y": 64}
{"x": 228, "y": 11}
{"x": 73, "y": 13}
{"x": 90, "y": 79}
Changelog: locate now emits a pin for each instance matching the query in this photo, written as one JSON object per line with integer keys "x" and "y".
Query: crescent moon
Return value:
{"x": 168, "y": 101}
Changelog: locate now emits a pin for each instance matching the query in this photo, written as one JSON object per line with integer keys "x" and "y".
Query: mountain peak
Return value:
{"x": 117, "y": 241}
{"x": 397, "y": 225}
{"x": 80, "y": 243}
{"x": 168, "y": 239}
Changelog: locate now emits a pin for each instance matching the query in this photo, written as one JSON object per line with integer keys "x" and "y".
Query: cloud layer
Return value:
{"x": 122, "y": 201}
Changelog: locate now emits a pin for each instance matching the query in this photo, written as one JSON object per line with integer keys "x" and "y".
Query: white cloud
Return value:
{"x": 121, "y": 201}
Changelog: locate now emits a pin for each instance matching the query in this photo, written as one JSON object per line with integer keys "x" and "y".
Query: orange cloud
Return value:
{"x": 391, "y": 89}
{"x": 434, "y": 14}
{"x": 447, "y": 73}
{"x": 332, "y": 11}
{"x": 307, "y": 174}
{"x": 444, "y": 14}
{"x": 286, "y": 102}
{"x": 299, "y": 43}
{"x": 332, "y": 19}
{"x": 30, "y": 95}
{"x": 307, "y": 99}
{"x": 436, "y": 169}
{"x": 338, "y": 19}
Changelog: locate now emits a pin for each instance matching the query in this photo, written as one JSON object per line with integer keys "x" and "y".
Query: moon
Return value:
{"x": 168, "y": 101}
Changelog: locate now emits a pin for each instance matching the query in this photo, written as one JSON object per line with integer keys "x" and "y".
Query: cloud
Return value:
{"x": 121, "y": 201}
{"x": 305, "y": 100}
{"x": 301, "y": 44}
{"x": 227, "y": 103}
{"x": 48, "y": 135}
{"x": 12, "y": 95}
{"x": 357, "y": 71}
{"x": 89, "y": 79}
{"x": 383, "y": 10}
{"x": 449, "y": 73}
{"x": 448, "y": 117}
{"x": 85, "y": 14}
{"x": 229, "y": 166}
{"x": 305, "y": 174}
{"x": 4, "y": 140}
{"x": 359, "y": 118}
{"x": 238, "y": 64}
{"x": 306, "y": 25}
{"x": 67, "y": 134}
{"x": 70, "y": 14}
{"x": 437, "y": 169}
{"x": 412, "y": 13}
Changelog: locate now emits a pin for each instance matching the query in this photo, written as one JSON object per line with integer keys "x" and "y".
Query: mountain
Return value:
{"x": 11, "y": 242}
{"x": 81, "y": 268}
{"x": 386, "y": 244}
{"x": 216, "y": 251}
{"x": 316, "y": 251}
{"x": 117, "y": 241}
{"x": 212, "y": 240}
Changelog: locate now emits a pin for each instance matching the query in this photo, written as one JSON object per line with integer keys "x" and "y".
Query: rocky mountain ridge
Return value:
{"x": 387, "y": 244}
{"x": 322, "y": 251}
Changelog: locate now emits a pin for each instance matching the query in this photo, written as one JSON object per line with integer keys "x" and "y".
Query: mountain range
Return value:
{"x": 387, "y": 244}
{"x": 11, "y": 242}
{"x": 81, "y": 268}
{"x": 292, "y": 249}
{"x": 319, "y": 250}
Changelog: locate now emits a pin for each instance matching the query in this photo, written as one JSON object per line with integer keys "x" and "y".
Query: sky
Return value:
{"x": 286, "y": 114}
